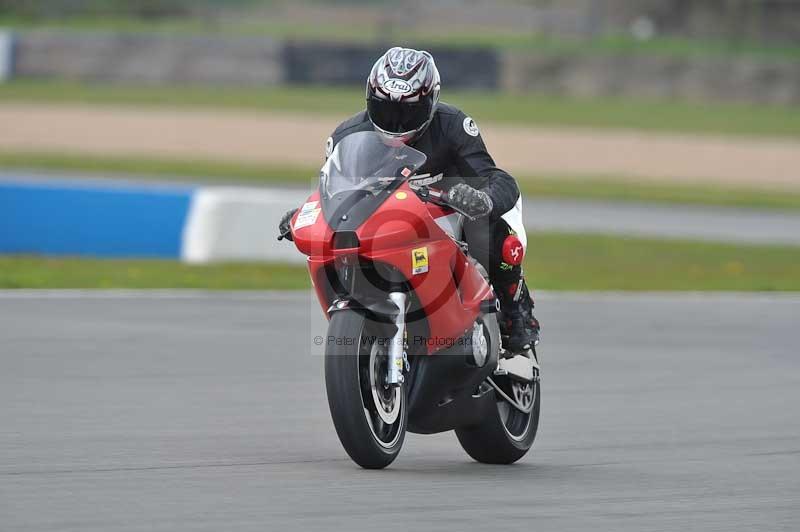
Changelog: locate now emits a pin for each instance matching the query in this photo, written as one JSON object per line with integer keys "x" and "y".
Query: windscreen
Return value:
{"x": 360, "y": 174}
{"x": 362, "y": 161}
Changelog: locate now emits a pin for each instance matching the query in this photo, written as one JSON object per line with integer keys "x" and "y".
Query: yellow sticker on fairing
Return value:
{"x": 419, "y": 260}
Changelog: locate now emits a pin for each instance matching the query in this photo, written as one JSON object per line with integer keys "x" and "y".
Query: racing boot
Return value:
{"x": 518, "y": 327}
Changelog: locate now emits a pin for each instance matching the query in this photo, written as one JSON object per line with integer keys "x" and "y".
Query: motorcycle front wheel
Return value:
{"x": 370, "y": 417}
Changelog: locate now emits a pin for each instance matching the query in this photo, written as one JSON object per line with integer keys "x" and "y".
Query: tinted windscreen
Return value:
{"x": 360, "y": 173}
{"x": 362, "y": 161}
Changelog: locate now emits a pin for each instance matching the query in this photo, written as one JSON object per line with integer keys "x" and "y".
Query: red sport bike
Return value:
{"x": 413, "y": 342}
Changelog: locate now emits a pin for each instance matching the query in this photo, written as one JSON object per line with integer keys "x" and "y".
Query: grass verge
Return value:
{"x": 558, "y": 261}
{"x": 41, "y": 272}
{"x": 160, "y": 169}
{"x": 535, "y": 186}
{"x": 522, "y": 109}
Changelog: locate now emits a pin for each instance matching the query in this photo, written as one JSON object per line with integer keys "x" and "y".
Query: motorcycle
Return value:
{"x": 413, "y": 342}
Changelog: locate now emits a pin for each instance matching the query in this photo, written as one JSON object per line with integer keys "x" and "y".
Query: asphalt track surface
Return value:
{"x": 193, "y": 411}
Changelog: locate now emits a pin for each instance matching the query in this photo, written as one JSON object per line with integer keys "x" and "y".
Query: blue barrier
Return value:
{"x": 72, "y": 218}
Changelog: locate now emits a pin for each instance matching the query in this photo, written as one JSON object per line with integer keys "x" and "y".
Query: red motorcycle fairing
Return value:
{"x": 403, "y": 234}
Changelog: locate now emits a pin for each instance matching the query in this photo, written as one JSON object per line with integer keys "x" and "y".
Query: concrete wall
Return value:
{"x": 148, "y": 58}
{"x": 235, "y": 223}
{"x": 707, "y": 78}
{"x": 223, "y": 60}
{"x": 467, "y": 68}
{"x": 255, "y": 61}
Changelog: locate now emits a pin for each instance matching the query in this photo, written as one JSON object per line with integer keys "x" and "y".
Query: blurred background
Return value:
{"x": 157, "y": 143}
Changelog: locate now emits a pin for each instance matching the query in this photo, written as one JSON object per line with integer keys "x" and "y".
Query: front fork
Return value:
{"x": 397, "y": 354}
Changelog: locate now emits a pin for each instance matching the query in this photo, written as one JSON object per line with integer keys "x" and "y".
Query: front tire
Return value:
{"x": 507, "y": 434}
{"x": 370, "y": 418}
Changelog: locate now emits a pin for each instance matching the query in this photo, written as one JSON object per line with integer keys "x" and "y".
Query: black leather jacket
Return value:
{"x": 455, "y": 149}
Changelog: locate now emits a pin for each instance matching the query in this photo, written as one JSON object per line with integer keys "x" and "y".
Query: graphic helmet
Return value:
{"x": 402, "y": 93}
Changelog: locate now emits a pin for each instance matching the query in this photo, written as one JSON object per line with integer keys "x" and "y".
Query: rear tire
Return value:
{"x": 507, "y": 434}
{"x": 370, "y": 419}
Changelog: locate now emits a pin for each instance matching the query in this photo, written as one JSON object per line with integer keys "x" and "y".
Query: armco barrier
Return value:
{"x": 117, "y": 219}
{"x": 148, "y": 59}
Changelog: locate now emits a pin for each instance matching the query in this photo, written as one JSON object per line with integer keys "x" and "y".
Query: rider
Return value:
{"x": 403, "y": 107}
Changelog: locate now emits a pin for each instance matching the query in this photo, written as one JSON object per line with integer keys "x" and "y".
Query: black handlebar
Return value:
{"x": 428, "y": 195}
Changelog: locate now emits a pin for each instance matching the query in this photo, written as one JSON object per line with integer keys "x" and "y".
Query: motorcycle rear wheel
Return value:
{"x": 370, "y": 418}
{"x": 507, "y": 434}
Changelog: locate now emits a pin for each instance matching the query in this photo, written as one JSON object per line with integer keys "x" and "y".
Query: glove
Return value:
{"x": 475, "y": 203}
{"x": 284, "y": 227}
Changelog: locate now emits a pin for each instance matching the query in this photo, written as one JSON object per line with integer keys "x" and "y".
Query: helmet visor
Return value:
{"x": 398, "y": 117}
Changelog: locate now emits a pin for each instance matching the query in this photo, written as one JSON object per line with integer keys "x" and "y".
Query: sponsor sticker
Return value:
{"x": 308, "y": 206}
{"x": 308, "y": 215}
{"x": 419, "y": 261}
{"x": 471, "y": 127}
{"x": 401, "y": 195}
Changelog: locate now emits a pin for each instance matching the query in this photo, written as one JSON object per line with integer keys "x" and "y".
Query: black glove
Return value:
{"x": 474, "y": 202}
{"x": 284, "y": 228}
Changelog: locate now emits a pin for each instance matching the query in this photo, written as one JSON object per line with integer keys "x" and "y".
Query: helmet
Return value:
{"x": 402, "y": 94}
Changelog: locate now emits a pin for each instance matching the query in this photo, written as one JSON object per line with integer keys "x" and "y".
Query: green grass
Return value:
{"x": 557, "y": 262}
{"x": 266, "y": 26}
{"x": 591, "y": 262}
{"x": 535, "y": 186}
{"x": 38, "y": 272}
{"x": 520, "y": 109}
{"x": 160, "y": 169}
{"x": 610, "y": 189}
